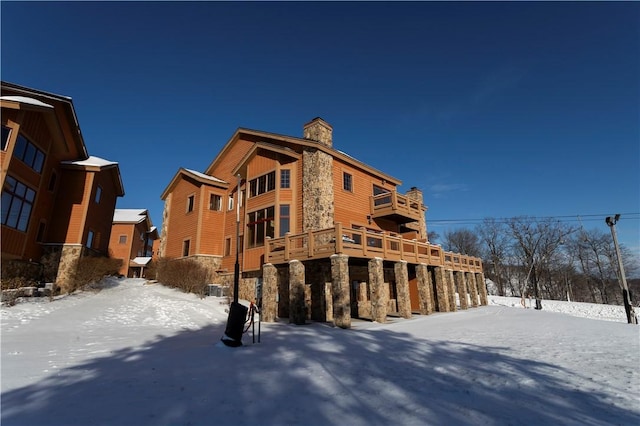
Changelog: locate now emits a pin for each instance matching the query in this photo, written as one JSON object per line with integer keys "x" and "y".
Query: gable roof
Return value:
{"x": 129, "y": 215}
{"x": 274, "y": 138}
{"x": 194, "y": 175}
{"x": 97, "y": 164}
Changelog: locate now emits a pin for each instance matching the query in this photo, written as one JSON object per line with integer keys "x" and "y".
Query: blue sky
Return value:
{"x": 492, "y": 109}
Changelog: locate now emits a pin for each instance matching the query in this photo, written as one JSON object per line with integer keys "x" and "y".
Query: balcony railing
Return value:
{"x": 361, "y": 243}
{"x": 401, "y": 208}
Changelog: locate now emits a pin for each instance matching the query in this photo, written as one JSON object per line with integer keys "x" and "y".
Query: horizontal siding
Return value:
{"x": 182, "y": 225}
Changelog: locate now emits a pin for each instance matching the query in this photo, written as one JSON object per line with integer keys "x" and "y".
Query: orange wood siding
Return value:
{"x": 118, "y": 250}
{"x": 182, "y": 224}
{"x": 213, "y": 223}
{"x": 67, "y": 224}
{"x": 354, "y": 207}
{"x": 99, "y": 216}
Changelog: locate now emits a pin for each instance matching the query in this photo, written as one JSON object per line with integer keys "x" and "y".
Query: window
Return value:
{"x": 122, "y": 239}
{"x": 262, "y": 184}
{"x": 284, "y": 219}
{"x": 377, "y": 190}
{"x": 185, "y": 247}
{"x": 17, "y": 202}
{"x": 230, "y": 203}
{"x": 90, "y": 239}
{"x": 227, "y": 246}
{"x": 6, "y": 132}
{"x": 29, "y": 154}
{"x": 98, "y": 194}
{"x": 190, "y": 200}
{"x": 260, "y": 224}
{"x": 285, "y": 178}
{"x": 241, "y": 198}
{"x": 347, "y": 182}
{"x": 40, "y": 234}
{"x": 215, "y": 202}
{"x": 52, "y": 180}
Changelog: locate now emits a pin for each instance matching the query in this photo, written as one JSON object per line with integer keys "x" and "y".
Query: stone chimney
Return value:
{"x": 319, "y": 130}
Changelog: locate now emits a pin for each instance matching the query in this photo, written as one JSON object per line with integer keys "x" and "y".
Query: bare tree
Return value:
{"x": 462, "y": 241}
{"x": 494, "y": 237}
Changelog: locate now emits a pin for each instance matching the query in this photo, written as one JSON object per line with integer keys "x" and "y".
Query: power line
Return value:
{"x": 559, "y": 218}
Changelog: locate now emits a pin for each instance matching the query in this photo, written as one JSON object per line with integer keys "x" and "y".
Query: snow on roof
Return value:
{"x": 92, "y": 161}
{"x": 141, "y": 260}
{"x": 25, "y": 100}
{"x": 129, "y": 215}
{"x": 203, "y": 176}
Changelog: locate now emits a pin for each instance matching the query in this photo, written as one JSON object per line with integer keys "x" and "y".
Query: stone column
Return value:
{"x": 461, "y": 284}
{"x": 328, "y": 299}
{"x": 424, "y": 285}
{"x": 473, "y": 290}
{"x": 441, "y": 289}
{"x": 68, "y": 266}
{"x": 482, "y": 289}
{"x": 451, "y": 291}
{"x": 297, "y": 313}
{"x": 269, "y": 293}
{"x": 379, "y": 291}
{"x": 340, "y": 290}
{"x": 402, "y": 288}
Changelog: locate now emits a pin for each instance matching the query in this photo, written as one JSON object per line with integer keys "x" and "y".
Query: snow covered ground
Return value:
{"x": 136, "y": 354}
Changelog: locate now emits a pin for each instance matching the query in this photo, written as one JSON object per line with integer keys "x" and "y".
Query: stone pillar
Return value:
{"x": 70, "y": 255}
{"x": 328, "y": 300}
{"x": 473, "y": 290}
{"x": 482, "y": 289}
{"x": 424, "y": 285}
{"x": 340, "y": 290}
{"x": 461, "y": 284}
{"x": 402, "y": 289}
{"x": 317, "y": 190}
{"x": 297, "y": 314}
{"x": 379, "y": 291}
{"x": 441, "y": 289}
{"x": 451, "y": 290}
{"x": 269, "y": 293}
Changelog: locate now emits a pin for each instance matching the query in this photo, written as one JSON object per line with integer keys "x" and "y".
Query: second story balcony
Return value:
{"x": 396, "y": 207}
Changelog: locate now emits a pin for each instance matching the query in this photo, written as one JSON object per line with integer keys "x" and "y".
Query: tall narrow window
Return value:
{"x": 52, "y": 180}
{"x": 347, "y": 182}
{"x": 185, "y": 247}
{"x": 285, "y": 178}
{"x": 90, "y": 239}
{"x": 17, "y": 202}
{"x": 215, "y": 202}
{"x": 284, "y": 219}
{"x": 190, "y": 200}
{"x": 230, "y": 203}
{"x": 227, "y": 246}
{"x": 6, "y": 132}
{"x": 98, "y": 194}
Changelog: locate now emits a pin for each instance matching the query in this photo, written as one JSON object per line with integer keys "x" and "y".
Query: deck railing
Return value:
{"x": 364, "y": 244}
{"x": 393, "y": 203}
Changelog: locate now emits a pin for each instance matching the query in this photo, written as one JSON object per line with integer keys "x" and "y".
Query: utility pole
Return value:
{"x": 626, "y": 296}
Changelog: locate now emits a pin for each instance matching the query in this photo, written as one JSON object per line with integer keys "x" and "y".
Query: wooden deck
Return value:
{"x": 360, "y": 243}
{"x": 402, "y": 208}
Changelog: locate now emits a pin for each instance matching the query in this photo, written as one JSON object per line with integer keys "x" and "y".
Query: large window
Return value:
{"x": 262, "y": 184}
{"x": 17, "y": 202}
{"x": 31, "y": 155}
{"x": 284, "y": 219}
{"x": 285, "y": 178}
{"x": 260, "y": 224}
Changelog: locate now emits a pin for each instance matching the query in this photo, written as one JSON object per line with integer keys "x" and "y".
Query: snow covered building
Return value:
{"x": 55, "y": 196}
{"x": 132, "y": 240}
{"x": 322, "y": 236}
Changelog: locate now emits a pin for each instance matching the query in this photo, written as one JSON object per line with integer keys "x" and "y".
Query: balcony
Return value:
{"x": 360, "y": 243}
{"x": 396, "y": 207}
